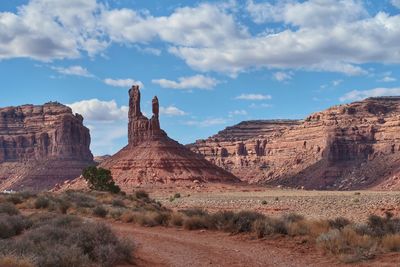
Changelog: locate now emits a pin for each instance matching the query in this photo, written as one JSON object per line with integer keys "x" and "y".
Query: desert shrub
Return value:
{"x": 116, "y": 214}
{"x": 100, "y": 179}
{"x": 127, "y": 217}
{"x": 195, "y": 223}
{"x": 221, "y": 220}
{"x": 381, "y": 226}
{"x": 141, "y": 194}
{"x": 391, "y": 242}
{"x": 339, "y": 223}
{"x": 80, "y": 199}
{"x": 11, "y": 225}
{"x": 349, "y": 245}
{"x": 242, "y": 221}
{"x": 264, "y": 202}
{"x": 266, "y": 226}
{"x": 68, "y": 241}
{"x": 100, "y": 211}
{"x": 15, "y": 199}
{"x": 14, "y": 261}
{"x": 176, "y": 219}
{"x": 8, "y": 208}
{"x": 63, "y": 206}
{"x": 118, "y": 203}
{"x": 42, "y": 202}
{"x": 177, "y": 195}
{"x": 292, "y": 217}
{"x": 151, "y": 218}
{"x": 301, "y": 227}
{"x": 194, "y": 212}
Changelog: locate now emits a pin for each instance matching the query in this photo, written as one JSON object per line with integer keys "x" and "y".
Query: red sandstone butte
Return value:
{"x": 41, "y": 146}
{"x": 350, "y": 146}
{"x": 151, "y": 157}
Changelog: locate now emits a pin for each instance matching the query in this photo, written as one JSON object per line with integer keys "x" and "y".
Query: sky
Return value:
{"x": 212, "y": 64}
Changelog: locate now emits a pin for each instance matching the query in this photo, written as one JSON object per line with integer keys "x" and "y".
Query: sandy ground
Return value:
{"x": 161, "y": 246}
{"x": 355, "y": 205}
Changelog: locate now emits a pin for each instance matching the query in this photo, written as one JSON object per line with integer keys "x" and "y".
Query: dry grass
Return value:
{"x": 14, "y": 261}
{"x": 391, "y": 242}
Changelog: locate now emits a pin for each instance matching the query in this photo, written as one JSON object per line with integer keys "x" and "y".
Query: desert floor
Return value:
{"x": 354, "y": 205}
{"x": 176, "y": 247}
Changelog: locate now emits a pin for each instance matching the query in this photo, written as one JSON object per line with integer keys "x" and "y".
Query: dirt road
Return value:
{"x": 161, "y": 246}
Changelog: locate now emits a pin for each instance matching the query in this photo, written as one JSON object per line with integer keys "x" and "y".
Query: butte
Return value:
{"x": 151, "y": 157}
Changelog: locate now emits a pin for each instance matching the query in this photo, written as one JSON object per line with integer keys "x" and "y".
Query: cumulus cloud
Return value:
{"x": 73, "y": 70}
{"x": 171, "y": 111}
{"x": 122, "y": 82}
{"x": 356, "y": 95}
{"x": 97, "y": 110}
{"x": 282, "y": 76}
{"x": 396, "y": 3}
{"x": 253, "y": 97}
{"x": 316, "y": 35}
{"x": 191, "y": 82}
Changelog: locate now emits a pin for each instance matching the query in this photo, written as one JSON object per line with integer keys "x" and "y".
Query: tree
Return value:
{"x": 100, "y": 179}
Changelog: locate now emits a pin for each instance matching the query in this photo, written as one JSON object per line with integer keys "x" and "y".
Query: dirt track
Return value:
{"x": 160, "y": 246}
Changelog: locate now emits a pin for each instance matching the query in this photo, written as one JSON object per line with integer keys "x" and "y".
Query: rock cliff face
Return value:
{"x": 152, "y": 157}
{"x": 351, "y": 146}
{"x": 41, "y": 146}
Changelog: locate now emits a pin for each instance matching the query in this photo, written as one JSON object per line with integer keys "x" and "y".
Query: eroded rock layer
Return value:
{"x": 41, "y": 146}
{"x": 350, "y": 146}
{"x": 152, "y": 157}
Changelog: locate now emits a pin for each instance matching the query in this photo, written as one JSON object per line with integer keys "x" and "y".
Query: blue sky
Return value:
{"x": 211, "y": 64}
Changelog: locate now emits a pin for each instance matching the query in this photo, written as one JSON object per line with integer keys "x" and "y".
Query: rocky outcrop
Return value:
{"x": 350, "y": 146}
{"x": 41, "y": 146}
{"x": 151, "y": 157}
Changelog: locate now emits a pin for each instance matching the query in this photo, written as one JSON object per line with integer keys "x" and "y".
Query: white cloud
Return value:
{"x": 396, "y": 3}
{"x": 171, "y": 111}
{"x": 191, "y": 82}
{"x": 73, "y": 70}
{"x": 207, "y": 122}
{"x": 262, "y": 105}
{"x": 311, "y": 13}
{"x": 253, "y": 97}
{"x": 388, "y": 79}
{"x": 122, "y": 82}
{"x": 238, "y": 112}
{"x": 282, "y": 76}
{"x": 315, "y": 35}
{"x": 359, "y": 95}
{"x": 336, "y": 82}
{"x": 97, "y": 110}
{"x": 148, "y": 50}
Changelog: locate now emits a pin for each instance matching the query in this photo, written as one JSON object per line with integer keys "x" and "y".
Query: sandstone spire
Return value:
{"x": 152, "y": 157}
{"x": 140, "y": 128}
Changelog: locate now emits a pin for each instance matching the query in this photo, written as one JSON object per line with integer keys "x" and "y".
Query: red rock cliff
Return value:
{"x": 41, "y": 146}
{"x": 350, "y": 146}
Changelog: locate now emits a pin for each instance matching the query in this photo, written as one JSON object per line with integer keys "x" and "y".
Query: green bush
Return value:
{"x": 100, "y": 179}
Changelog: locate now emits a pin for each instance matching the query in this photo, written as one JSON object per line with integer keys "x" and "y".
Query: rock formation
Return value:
{"x": 41, "y": 146}
{"x": 152, "y": 157}
{"x": 350, "y": 146}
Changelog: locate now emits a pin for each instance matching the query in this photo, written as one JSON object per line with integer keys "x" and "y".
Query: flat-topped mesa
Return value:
{"x": 41, "y": 145}
{"x": 141, "y": 128}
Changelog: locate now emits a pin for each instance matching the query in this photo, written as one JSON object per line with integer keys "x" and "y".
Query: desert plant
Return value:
{"x": 391, "y": 242}
{"x": 42, "y": 202}
{"x": 11, "y": 225}
{"x": 100, "y": 179}
{"x": 8, "y": 208}
{"x": 141, "y": 194}
{"x": 100, "y": 211}
{"x": 195, "y": 223}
